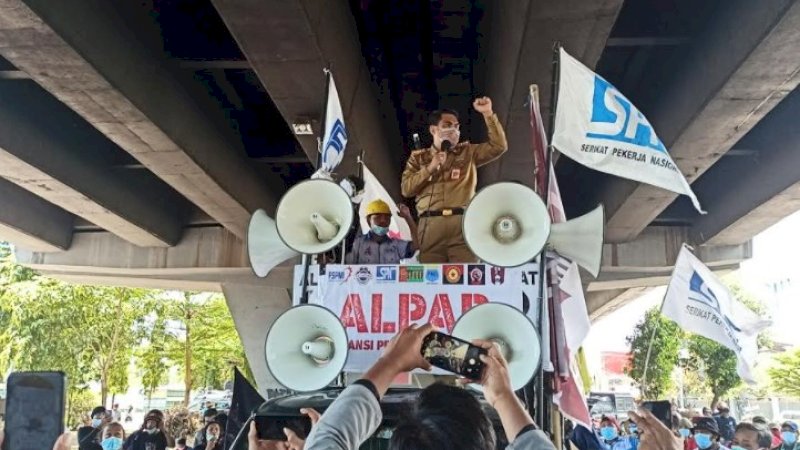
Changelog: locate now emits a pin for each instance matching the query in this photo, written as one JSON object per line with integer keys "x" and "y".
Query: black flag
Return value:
{"x": 245, "y": 400}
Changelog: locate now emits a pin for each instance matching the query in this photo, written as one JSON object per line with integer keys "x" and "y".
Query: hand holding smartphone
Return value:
{"x": 662, "y": 409}
{"x": 34, "y": 410}
{"x": 453, "y": 355}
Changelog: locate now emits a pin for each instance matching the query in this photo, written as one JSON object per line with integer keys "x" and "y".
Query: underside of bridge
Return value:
{"x": 137, "y": 137}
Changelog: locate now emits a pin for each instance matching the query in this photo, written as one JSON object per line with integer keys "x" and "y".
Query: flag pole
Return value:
{"x": 541, "y": 403}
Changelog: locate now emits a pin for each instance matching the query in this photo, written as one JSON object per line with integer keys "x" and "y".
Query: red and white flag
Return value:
{"x": 569, "y": 317}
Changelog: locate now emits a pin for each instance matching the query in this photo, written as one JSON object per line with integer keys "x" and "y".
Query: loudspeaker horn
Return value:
{"x": 265, "y": 249}
{"x": 314, "y": 216}
{"x": 306, "y": 348}
{"x": 514, "y": 333}
{"x": 506, "y": 224}
{"x": 581, "y": 239}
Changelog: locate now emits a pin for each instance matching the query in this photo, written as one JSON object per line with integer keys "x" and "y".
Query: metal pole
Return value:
{"x": 541, "y": 402}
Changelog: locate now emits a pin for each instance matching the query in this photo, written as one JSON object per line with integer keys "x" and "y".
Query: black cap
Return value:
{"x": 705, "y": 424}
{"x": 98, "y": 410}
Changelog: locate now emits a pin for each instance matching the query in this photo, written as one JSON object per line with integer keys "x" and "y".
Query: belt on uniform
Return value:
{"x": 444, "y": 212}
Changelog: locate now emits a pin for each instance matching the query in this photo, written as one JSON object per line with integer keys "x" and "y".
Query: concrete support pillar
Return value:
{"x": 254, "y": 308}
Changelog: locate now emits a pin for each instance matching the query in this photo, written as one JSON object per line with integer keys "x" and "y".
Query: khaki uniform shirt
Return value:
{"x": 453, "y": 184}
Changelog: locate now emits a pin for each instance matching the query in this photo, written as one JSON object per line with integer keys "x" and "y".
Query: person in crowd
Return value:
{"x": 376, "y": 246}
{"x": 150, "y": 436}
{"x": 209, "y": 415}
{"x": 726, "y": 423}
{"x": 749, "y": 436}
{"x": 685, "y": 432}
{"x": 585, "y": 439}
{"x": 116, "y": 415}
{"x": 776, "y": 439}
{"x": 113, "y": 436}
{"x": 789, "y": 436}
{"x": 655, "y": 435}
{"x": 214, "y": 437}
{"x": 180, "y": 444}
{"x": 707, "y": 412}
{"x": 775, "y": 429}
{"x": 706, "y": 434}
{"x": 443, "y": 181}
{"x": 444, "y": 417}
{"x": 89, "y": 436}
{"x": 611, "y": 438}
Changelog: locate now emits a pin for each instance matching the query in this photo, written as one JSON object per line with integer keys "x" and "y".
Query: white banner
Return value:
{"x": 601, "y": 129}
{"x": 700, "y": 304}
{"x": 334, "y": 140}
{"x": 375, "y": 302}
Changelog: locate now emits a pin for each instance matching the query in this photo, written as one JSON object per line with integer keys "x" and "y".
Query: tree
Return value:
{"x": 152, "y": 356}
{"x": 785, "y": 375}
{"x": 663, "y": 357}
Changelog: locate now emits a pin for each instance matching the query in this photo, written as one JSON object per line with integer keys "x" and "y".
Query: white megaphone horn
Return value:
{"x": 306, "y": 348}
{"x": 511, "y": 330}
{"x": 314, "y": 216}
{"x": 265, "y": 249}
{"x": 507, "y": 224}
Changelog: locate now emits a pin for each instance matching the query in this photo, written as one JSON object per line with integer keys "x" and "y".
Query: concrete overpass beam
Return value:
{"x": 520, "y": 53}
{"x": 58, "y": 164}
{"x": 743, "y": 65}
{"x": 289, "y": 43}
{"x": 85, "y": 54}
{"x": 254, "y": 308}
{"x": 32, "y": 223}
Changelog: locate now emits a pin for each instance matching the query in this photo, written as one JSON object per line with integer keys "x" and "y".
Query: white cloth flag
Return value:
{"x": 601, "y": 129}
{"x": 374, "y": 190}
{"x": 700, "y": 304}
{"x": 335, "y": 139}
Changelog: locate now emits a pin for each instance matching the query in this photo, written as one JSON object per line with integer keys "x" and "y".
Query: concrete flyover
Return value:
{"x": 169, "y": 123}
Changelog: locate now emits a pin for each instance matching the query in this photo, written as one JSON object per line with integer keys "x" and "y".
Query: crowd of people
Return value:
{"x": 105, "y": 432}
{"x": 707, "y": 430}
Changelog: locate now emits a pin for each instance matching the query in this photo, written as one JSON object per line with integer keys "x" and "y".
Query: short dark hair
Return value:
{"x": 211, "y": 412}
{"x": 435, "y": 117}
{"x": 764, "y": 435}
{"x": 98, "y": 410}
{"x": 444, "y": 417}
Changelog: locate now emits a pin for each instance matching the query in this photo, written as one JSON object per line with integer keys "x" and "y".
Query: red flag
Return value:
{"x": 566, "y": 297}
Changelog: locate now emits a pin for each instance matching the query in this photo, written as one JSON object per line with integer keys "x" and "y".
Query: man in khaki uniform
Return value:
{"x": 443, "y": 182}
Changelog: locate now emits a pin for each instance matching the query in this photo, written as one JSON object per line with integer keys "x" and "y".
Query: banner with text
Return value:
{"x": 374, "y": 302}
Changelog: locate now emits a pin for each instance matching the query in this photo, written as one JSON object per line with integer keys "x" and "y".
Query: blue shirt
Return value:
{"x": 369, "y": 250}
{"x": 621, "y": 443}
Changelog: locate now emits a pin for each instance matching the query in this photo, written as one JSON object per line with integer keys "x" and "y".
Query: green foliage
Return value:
{"x": 80, "y": 403}
{"x": 717, "y": 363}
{"x": 785, "y": 375}
{"x": 664, "y": 354}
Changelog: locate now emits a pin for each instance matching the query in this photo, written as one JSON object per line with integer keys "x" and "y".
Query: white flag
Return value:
{"x": 373, "y": 190}
{"x": 700, "y": 304}
{"x": 601, "y": 129}
{"x": 335, "y": 139}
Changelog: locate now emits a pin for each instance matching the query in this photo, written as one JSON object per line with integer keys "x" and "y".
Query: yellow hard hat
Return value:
{"x": 378, "y": 207}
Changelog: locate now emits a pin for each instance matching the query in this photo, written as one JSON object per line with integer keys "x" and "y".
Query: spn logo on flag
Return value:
{"x": 335, "y": 139}
{"x": 600, "y": 128}
{"x": 700, "y": 304}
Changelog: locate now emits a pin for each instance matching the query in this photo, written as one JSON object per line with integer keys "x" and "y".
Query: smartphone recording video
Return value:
{"x": 662, "y": 409}
{"x": 271, "y": 427}
{"x": 453, "y": 355}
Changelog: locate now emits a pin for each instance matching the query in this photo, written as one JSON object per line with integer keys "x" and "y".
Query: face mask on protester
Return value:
{"x": 210, "y": 436}
{"x": 96, "y": 423}
{"x": 788, "y": 437}
{"x": 608, "y": 433}
{"x": 703, "y": 440}
{"x": 380, "y": 231}
{"x": 111, "y": 443}
{"x": 684, "y": 432}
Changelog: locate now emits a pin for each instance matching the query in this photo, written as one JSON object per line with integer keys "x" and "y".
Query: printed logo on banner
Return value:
{"x": 700, "y": 292}
{"x": 616, "y": 119}
{"x": 336, "y": 275}
{"x": 476, "y": 274}
{"x": 453, "y": 274}
{"x": 363, "y": 276}
{"x": 411, "y": 274}
{"x": 498, "y": 275}
{"x": 431, "y": 275}
{"x": 386, "y": 273}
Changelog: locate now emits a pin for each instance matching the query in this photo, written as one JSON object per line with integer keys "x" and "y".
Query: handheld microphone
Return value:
{"x": 446, "y": 146}
{"x": 417, "y": 143}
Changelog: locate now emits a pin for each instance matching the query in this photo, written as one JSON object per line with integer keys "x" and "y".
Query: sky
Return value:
{"x": 775, "y": 258}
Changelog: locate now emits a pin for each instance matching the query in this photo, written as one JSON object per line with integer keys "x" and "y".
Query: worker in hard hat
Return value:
{"x": 376, "y": 246}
